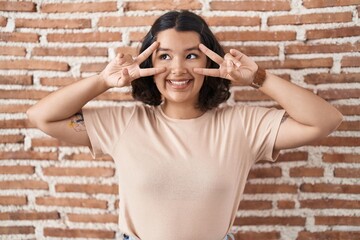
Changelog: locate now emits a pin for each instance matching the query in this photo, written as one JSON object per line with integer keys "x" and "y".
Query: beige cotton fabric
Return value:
{"x": 181, "y": 179}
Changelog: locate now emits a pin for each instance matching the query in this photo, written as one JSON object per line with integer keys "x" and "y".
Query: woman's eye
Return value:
{"x": 191, "y": 56}
{"x": 164, "y": 57}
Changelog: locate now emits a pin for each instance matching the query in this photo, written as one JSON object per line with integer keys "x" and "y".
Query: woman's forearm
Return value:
{"x": 67, "y": 101}
{"x": 302, "y": 105}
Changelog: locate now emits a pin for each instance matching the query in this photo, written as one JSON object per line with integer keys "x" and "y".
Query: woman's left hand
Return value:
{"x": 235, "y": 66}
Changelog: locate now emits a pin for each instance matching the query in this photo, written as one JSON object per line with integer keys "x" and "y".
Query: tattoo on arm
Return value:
{"x": 77, "y": 122}
{"x": 286, "y": 115}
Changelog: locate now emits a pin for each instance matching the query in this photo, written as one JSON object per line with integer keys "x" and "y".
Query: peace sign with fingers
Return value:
{"x": 235, "y": 66}
{"x": 124, "y": 69}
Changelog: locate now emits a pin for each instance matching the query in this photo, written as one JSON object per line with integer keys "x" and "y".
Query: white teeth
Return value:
{"x": 179, "y": 83}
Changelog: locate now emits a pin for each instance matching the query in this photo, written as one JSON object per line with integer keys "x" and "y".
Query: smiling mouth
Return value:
{"x": 179, "y": 84}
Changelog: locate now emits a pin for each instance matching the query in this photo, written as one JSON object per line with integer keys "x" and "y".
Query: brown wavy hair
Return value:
{"x": 214, "y": 90}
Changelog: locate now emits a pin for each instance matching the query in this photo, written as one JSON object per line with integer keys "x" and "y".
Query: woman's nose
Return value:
{"x": 178, "y": 68}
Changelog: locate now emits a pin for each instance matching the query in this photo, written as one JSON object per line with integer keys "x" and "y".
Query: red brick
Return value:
{"x": 306, "y": 172}
{"x": 12, "y": 51}
{"x": 319, "y": 78}
{"x": 330, "y": 188}
{"x": 18, "y": 94}
{"x": 337, "y": 141}
{"x": 255, "y": 205}
{"x": 93, "y": 218}
{"x": 17, "y": 230}
{"x": 349, "y": 126}
{"x": 255, "y": 36}
{"x": 337, "y": 220}
{"x": 33, "y": 216}
{"x": 16, "y": 80}
{"x": 284, "y": 221}
{"x": 17, "y": 170}
{"x": 86, "y": 157}
{"x": 92, "y": 67}
{"x": 310, "y": 18}
{"x": 17, "y": 6}
{"x": 322, "y": 48}
{"x": 162, "y": 5}
{"x": 22, "y": 123}
{"x": 3, "y": 21}
{"x": 250, "y": 5}
{"x": 126, "y": 21}
{"x": 87, "y": 188}
{"x": 74, "y": 51}
{"x": 53, "y": 23}
{"x": 347, "y": 172}
{"x": 49, "y": 142}
{"x": 28, "y": 155}
{"x": 14, "y": 108}
{"x": 85, "y": 172}
{"x": 85, "y": 37}
{"x": 72, "y": 202}
{"x": 327, "y": 3}
{"x": 33, "y": 64}
{"x": 12, "y": 139}
{"x": 285, "y": 204}
{"x": 329, "y": 203}
{"x": 136, "y": 36}
{"x": 233, "y": 21}
{"x": 292, "y": 156}
{"x": 24, "y": 184}
{"x": 333, "y": 33}
{"x": 128, "y": 50}
{"x": 269, "y": 188}
{"x": 297, "y": 63}
{"x": 349, "y": 109}
{"x": 18, "y": 37}
{"x": 257, "y": 235}
{"x": 273, "y": 172}
{"x": 78, "y": 233}
{"x": 350, "y": 61}
{"x": 57, "y": 81}
{"x": 79, "y": 7}
{"x": 13, "y": 200}
{"x": 328, "y": 235}
{"x": 255, "y": 50}
{"x": 339, "y": 94}
{"x": 341, "y": 158}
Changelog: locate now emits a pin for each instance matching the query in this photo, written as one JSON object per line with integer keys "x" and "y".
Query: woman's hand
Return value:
{"x": 235, "y": 66}
{"x": 122, "y": 70}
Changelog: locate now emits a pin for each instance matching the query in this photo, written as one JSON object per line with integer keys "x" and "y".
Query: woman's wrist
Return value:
{"x": 259, "y": 78}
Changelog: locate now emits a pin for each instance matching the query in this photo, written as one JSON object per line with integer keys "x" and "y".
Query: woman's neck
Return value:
{"x": 181, "y": 111}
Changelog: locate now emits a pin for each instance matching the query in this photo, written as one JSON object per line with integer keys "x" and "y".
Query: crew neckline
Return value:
{"x": 162, "y": 113}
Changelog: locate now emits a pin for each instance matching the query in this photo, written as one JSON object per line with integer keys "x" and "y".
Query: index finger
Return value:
{"x": 212, "y": 55}
{"x": 147, "y": 52}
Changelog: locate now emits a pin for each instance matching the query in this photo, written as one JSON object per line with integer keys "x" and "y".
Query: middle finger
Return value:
{"x": 212, "y": 55}
{"x": 147, "y": 52}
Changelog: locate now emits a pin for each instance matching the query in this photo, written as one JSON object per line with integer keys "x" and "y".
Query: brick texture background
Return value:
{"x": 50, "y": 189}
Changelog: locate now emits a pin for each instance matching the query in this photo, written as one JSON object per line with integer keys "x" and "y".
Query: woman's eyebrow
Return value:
{"x": 186, "y": 50}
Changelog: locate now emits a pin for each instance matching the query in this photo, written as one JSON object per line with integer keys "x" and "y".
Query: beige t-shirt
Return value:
{"x": 181, "y": 179}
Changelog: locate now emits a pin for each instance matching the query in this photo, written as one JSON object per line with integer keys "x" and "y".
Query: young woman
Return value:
{"x": 182, "y": 160}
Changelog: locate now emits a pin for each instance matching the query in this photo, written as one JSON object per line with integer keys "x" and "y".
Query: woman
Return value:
{"x": 183, "y": 161}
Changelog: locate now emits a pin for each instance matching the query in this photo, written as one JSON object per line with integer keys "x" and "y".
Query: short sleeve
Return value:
{"x": 104, "y": 125}
{"x": 261, "y": 126}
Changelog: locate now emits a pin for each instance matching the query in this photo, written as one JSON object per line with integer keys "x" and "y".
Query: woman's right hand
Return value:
{"x": 122, "y": 70}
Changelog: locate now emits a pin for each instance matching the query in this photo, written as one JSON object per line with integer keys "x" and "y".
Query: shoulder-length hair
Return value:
{"x": 214, "y": 90}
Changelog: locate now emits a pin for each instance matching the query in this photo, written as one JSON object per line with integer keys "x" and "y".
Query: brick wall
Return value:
{"x": 52, "y": 189}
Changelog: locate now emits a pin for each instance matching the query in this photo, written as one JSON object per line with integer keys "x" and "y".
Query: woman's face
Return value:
{"x": 179, "y": 53}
